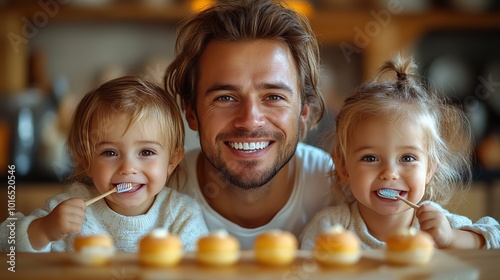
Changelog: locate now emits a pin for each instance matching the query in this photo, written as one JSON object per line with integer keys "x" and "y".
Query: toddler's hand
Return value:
{"x": 66, "y": 218}
{"x": 436, "y": 224}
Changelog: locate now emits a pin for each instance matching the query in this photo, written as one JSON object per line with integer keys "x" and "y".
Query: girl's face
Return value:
{"x": 137, "y": 155}
{"x": 383, "y": 155}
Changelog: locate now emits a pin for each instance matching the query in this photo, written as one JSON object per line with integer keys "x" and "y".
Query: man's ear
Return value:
{"x": 175, "y": 158}
{"x": 341, "y": 171}
{"x": 304, "y": 117}
{"x": 191, "y": 118}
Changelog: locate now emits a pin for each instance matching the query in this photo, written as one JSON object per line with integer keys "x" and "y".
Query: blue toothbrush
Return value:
{"x": 393, "y": 194}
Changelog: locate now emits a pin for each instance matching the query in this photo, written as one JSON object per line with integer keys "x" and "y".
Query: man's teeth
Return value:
{"x": 249, "y": 146}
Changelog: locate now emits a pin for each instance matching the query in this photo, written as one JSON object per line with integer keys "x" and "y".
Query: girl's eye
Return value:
{"x": 146, "y": 153}
{"x": 369, "y": 158}
{"x": 408, "y": 158}
{"x": 109, "y": 153}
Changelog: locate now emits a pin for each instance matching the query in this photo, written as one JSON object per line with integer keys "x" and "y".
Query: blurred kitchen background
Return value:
{"x": 54, "y": 51}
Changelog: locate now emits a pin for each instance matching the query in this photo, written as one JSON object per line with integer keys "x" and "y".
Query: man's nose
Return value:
{"x": 250, "y": 115}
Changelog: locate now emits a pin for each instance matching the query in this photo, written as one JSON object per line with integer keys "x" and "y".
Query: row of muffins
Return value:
{"x": 334, "y": 247}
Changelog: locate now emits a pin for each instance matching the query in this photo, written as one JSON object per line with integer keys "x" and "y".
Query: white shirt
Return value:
{"x": 311, "y": 193}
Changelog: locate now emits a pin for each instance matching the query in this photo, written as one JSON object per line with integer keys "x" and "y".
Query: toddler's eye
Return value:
{"x": 147, "y": 153}
{"x": 109, "y": 153}
{"x": 369, "y": 158}
{"x": 408, "y": 158}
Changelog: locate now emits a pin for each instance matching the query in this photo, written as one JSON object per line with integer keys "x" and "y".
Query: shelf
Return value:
{"x": 116, "y": 12}
{"x": 337, "y": 26}
{"x": 378, "y": 37}
{"x": 332, "y": 27}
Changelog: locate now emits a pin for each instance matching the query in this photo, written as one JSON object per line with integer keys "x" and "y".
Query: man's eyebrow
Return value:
{"x": 279, "y": 86}
{"x": 228, "y": 87}
{"x": 222, "y": 87}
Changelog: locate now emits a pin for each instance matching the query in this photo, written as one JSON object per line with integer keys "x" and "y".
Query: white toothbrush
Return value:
{"x": 393, "y": 194}
{"x": 120, "y": 188}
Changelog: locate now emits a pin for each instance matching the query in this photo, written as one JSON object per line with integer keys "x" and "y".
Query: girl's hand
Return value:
{"x": 66, "y": 218}
{"x": 436, "y": 224}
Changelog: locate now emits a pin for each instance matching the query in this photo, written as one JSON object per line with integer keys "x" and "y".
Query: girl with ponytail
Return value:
{"x": 400, "y": 136}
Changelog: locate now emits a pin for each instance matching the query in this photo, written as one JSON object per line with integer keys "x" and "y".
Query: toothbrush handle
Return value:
{"x": 411, "y": 204}
{"x": 92, "y": 200}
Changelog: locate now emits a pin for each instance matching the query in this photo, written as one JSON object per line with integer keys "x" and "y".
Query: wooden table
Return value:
{"x": 446, "y": 264}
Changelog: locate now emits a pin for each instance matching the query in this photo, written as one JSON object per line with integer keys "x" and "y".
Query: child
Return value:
{"x": 398, "y": 135}
{"x": 126, "y": 131}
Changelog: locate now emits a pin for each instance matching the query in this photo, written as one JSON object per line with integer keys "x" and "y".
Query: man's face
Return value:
{"x": 248, "y": 111}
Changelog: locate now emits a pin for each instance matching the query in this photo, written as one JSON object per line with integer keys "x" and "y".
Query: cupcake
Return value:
{"x": 409, "y": 246}
{"x": 218, "y": 249}
{"x": 275, "y": 247}
{"x": 95, "y": 250}
{"x": 159, "y": 248}
{"x": 337, "y": 246}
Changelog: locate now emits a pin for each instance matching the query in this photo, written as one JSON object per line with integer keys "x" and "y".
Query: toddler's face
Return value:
{"x": 137, "y": 155}
{"x": 384, "y": 155}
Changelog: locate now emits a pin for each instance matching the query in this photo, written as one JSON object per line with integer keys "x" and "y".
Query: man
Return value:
{"x": 247, "y": 74}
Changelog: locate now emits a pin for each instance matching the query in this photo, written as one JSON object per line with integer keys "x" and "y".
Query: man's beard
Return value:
{"x": 248, "y": 178}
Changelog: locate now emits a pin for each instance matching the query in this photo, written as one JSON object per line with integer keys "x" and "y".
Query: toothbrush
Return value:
{"x": 120, "y": 188}
{"x": 393, "y": 194}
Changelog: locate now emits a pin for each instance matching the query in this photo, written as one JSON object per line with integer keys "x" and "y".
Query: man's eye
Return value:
{"x": 274, "y": 98}
{"x": 224, "y": 98}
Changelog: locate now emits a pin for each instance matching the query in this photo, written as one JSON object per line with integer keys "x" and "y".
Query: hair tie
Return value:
{"x": 402, "y": 76}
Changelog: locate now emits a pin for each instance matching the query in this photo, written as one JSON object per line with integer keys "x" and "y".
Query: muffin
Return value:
{"x": 275, "y": 247}
{"x": 159, "y": 248}
{"x": 95, "y": 250}
{"x": 409, "y": 246}
{"x": 218, "y": 249}
{"x": 337, "y": 247}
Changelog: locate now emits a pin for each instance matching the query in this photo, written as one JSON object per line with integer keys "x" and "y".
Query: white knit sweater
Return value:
{"x": 177, "y": 212}
{"x": 349, "y": 217}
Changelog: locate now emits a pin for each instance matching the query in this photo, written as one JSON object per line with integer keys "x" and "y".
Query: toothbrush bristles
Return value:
{"x": 124, "y": 187}
{"x": 388, "y": 193}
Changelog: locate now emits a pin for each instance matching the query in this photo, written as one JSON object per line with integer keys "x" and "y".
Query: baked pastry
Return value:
{"x": 159, "y": 248}
{"x": 96, "y": 249}
{"x": 275, "y": 247}
{"x": 409, "y": 246}
{"x": 337, "y": 247}
{"x": 218, "y": 249}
